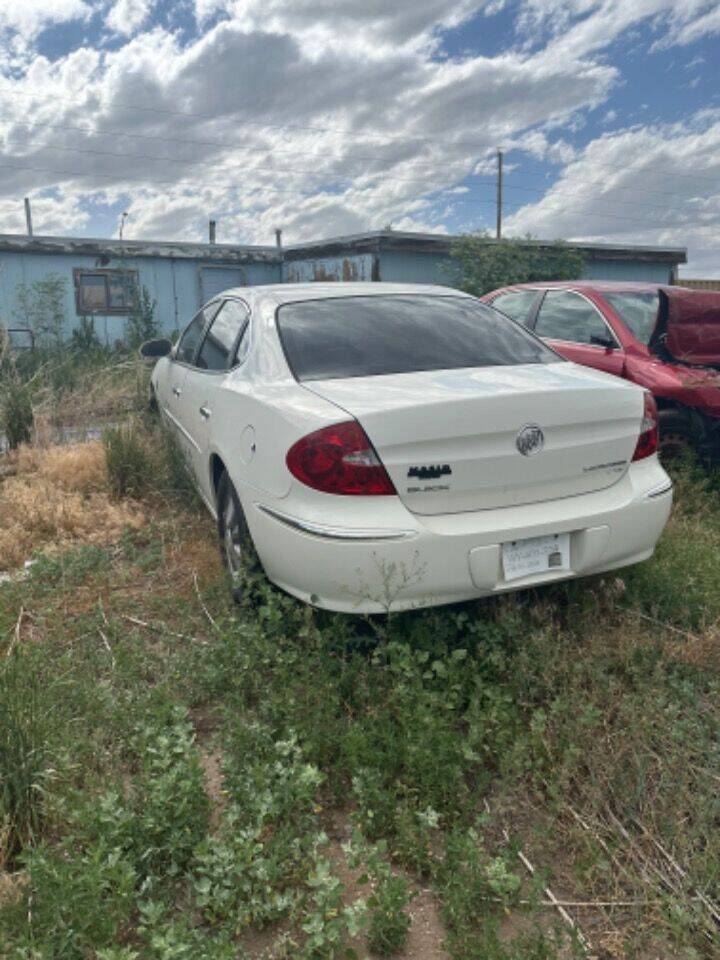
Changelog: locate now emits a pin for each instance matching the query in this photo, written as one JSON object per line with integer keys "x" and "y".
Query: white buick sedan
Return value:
{"x": 383, "y": 446}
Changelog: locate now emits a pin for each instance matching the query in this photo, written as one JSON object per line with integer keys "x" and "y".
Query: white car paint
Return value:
{"x": 424, "y": 546}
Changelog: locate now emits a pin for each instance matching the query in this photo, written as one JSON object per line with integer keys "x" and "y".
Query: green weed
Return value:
{"x": 161, "y": 815}
{"x": 69, "y": 568}
{"x": 77, "y": 902}
{"x": 129, "y": 463}
{"x": 329, "y": 923}
{"x": 16, "y": 412}
{"x": 388, "y": 901}
{"x": 25, "y": 765}
{"x": 432, "y": 732}
{"x": 142, "y": 321}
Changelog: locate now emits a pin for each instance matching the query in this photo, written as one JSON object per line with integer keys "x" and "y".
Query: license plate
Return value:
{"x": 536, "y": 555}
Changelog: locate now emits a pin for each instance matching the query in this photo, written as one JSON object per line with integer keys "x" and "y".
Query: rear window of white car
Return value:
{"x": 370, "y": 336}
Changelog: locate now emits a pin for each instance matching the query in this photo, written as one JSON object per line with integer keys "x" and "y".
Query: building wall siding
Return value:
{"x": 641, "y": 271}
{"x": 176, "y": 285}
{"x": 352, "y": 267}
{"x": 181, "y": 284}
{"x": 401, "y": 266}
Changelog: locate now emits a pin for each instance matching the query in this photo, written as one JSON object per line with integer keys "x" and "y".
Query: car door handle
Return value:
{"x": 205, "y": 413}
{"x": 177, "y": 391}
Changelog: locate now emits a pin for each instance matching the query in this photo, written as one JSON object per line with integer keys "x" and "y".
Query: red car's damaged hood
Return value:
{"x": 688, "y": 325}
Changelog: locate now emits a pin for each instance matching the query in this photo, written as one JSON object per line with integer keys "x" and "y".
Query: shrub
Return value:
{"x": 129, "y": 464}
{"x": 16, "y": 412}
{"x": 85, "y": 338}
{"x": 482, "y": 264}
{"x": 142, "y": 323}
{"x": 41, "y": 306}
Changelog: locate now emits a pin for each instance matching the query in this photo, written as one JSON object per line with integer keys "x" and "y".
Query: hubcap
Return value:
{"x": 233, "y": 540}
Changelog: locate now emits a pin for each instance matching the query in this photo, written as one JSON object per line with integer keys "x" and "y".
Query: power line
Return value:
{"x": 223, "y": 144}
{"x": 348, "y": 178}
{"x": 483, "y": 147}
{"x": 455, "y": 199}
{"x": 185, "y": 141}
{"x": 204, "y": 163}
{"x": 74, "y": 175}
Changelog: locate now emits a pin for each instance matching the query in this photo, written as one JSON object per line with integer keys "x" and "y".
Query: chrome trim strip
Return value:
{"x": 659, "y": 491}
{"x": 182, "y": 429}
{"x": 353, "y": 534}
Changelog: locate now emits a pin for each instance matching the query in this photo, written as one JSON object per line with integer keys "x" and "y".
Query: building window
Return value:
{"x": 104, "y": 291}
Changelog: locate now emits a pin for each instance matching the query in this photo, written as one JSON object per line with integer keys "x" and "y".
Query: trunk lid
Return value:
{"x": 450, "y": 438}
{"x": 688, "y": 325}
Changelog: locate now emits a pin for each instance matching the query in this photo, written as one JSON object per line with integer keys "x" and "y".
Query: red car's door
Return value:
{"x": 574, "y": 327}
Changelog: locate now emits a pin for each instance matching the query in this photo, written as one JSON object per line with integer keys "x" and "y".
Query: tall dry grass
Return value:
{"x": 94, "y": 395}
{"x": 58, "y": 497}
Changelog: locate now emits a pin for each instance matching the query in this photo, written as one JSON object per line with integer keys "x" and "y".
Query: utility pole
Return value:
{"x": 28, "y": 217}
{"x": 123, "y": 218}
{"x": 498, "y": 231}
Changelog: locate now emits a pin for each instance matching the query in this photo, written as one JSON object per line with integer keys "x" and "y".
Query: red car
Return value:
{"x": 664, "y": 338}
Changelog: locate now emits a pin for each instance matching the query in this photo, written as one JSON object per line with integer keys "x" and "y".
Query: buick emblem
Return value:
{"x": 530, "y": 440}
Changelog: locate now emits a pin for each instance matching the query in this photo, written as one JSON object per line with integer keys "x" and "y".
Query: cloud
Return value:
{"x": 580, "y": 27}
{"x": 326, "y": 116}
{"x": 395, "y": 20}
{"x": 51, "y": 214}
{"x": 361, "y": 134}
{"x": 126, "y": 16}
{"x": 29, "y": 16}
{"x": 649, "y": 184}
{"x": 691, "y": 29}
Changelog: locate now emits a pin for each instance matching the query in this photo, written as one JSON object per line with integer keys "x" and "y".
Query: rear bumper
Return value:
{"x": 401, "y": 560}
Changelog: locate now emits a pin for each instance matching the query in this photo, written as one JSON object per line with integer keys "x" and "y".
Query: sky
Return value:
{"x": 333, "y": 117}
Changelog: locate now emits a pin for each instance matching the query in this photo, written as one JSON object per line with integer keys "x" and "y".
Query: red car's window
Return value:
{"x": 516, "y": 304}
{"x": 565, "y": 315}
{"x": 638, "y": 311}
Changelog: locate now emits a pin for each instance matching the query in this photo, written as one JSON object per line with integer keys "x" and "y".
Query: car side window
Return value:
{"x": 243, "y": 347}
{"x": 187, "y": 347}
{"x": 565, "y": 315}
{"x": 516, "y": 304}
{"x": 220, "y": 340}
{"x": 190, "y": 340}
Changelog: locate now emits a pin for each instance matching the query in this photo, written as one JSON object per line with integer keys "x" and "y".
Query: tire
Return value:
{"x": 235, "y": 541}
{"x": 706, "y": 437}
{"x": 677, "y": 436}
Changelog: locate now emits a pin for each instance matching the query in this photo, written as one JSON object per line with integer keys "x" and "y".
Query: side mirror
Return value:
{"x": 156, "y": 348}
{"x": 603, "y": 342}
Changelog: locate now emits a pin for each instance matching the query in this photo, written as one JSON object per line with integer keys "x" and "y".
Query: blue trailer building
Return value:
{"x": 97, "y": 278}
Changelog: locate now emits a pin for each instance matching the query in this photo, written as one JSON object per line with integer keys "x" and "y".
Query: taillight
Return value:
{"x": 339, "y": 459}
{"x": 648, "y": 440}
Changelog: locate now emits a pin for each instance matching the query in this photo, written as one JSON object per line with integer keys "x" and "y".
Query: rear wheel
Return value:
{"x": 236, "y": 546}
{"x": 676, "y": 435}
{"x": 706, "y": 438}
